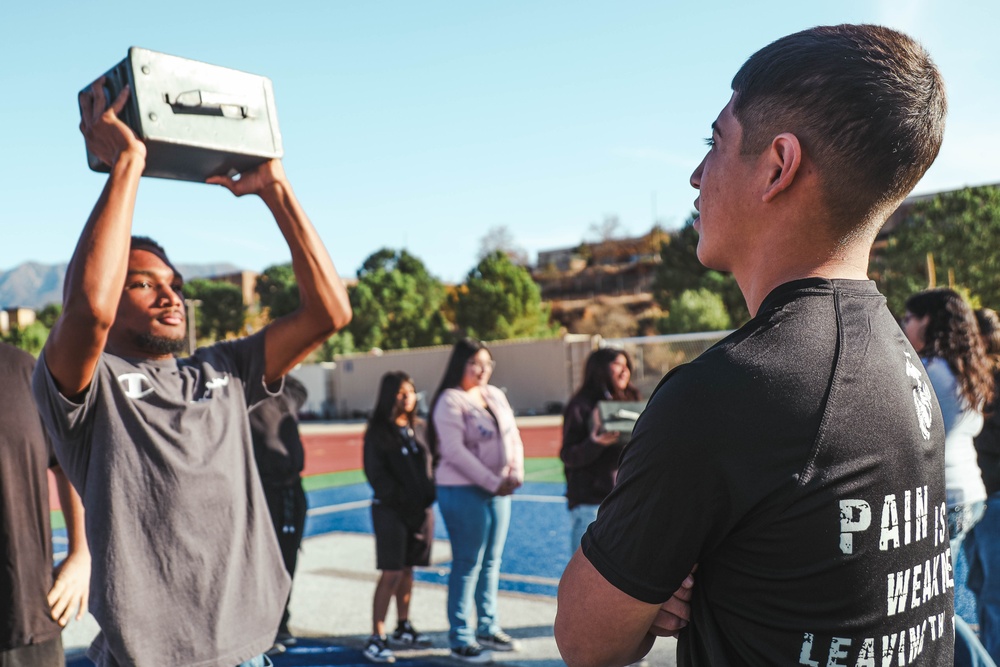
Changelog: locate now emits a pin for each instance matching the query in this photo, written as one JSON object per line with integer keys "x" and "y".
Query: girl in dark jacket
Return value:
{"x": 590, "y": 458}
{"x": 399, "y": 467}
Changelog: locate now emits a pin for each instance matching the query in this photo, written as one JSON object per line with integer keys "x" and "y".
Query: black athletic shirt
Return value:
{"x": 800, "y": 463}
{"x": 25, "y": 538}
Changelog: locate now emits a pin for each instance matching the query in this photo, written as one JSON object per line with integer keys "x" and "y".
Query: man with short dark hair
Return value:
{"x": 187, "y": 570}
{"x": 798, "y": 464}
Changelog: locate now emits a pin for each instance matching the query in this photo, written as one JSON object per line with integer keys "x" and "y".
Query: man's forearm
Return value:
{"x": 322, "y": 294}
{"x": 72, "y": 508}
{"x": 94, "y": 280}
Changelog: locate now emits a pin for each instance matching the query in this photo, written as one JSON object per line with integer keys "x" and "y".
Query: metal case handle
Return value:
{"x": 208, "y": 104}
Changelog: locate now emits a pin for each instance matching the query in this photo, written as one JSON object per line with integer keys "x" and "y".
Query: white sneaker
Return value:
{"x": 498, "y": 641}
{"x": 376, "y": 650}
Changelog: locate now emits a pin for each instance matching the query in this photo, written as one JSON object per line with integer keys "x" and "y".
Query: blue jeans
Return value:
{"x": 477, "y": 523}
{"x": 260, "y": 661}
{"x": 580, "y": 517}
{"x": 969, "y": 651}
{"x": 982, "y": 550}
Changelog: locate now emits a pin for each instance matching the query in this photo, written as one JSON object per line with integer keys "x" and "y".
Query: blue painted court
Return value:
{"x": 537, "y": 550}
{"x": 536, "y": 553}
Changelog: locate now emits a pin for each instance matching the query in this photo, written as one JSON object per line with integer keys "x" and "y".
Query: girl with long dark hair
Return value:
{"x": 481, "y": 462}
{"x": 982, "y": 545}
{"x": 942, "y": 329}
{"x": 399, "y": 467}
{"x": 590, "y": 457}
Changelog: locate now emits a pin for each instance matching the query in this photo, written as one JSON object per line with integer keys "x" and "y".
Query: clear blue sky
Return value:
{"x": 424, "y": 124}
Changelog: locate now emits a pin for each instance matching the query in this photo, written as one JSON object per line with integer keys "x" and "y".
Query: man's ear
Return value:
{"x": 784, "y": 157}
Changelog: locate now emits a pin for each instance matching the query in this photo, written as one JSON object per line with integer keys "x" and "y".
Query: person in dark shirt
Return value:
{"x": 35, "y": 601}
{"x": 400, "y": 468}
{"x": 798, "y": 464}
{"x": 280, "y": 458}
{"x": 590, "y": 457}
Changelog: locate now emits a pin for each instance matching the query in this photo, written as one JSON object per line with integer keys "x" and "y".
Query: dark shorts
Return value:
{"x": 45, "y": 654}
{"x": 397, "y": 547}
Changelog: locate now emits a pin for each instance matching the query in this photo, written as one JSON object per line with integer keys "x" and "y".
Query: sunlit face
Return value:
{"x": 619, "y": 372}
{"x": 150, "y": 321}
{"x": 915, "y": 328}
{"x": 724, "y": 180}
{"x": 406, "y": 399}
{"x": 478, "y": 370}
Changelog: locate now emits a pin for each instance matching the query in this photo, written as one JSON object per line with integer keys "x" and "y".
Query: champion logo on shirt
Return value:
{"x": 135, "y": 385}
{"x": 921, "y": 397}
{"x": 212, "y": 385}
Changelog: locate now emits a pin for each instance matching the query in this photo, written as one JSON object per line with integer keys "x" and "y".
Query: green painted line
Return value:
{"x": 332, "y": 479}
{"x": 549, "y": 469}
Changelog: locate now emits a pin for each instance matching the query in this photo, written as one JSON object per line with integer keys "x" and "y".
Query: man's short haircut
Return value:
{"x": 866, "y": 103}
{"x": 149, "y": 245}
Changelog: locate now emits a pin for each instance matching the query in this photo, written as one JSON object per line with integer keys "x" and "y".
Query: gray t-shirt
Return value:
{"x": 186, "y": 566}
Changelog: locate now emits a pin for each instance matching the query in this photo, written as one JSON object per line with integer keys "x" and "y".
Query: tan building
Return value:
{"x": 19, "y": 318}
{"x": 246, "y": 281}
{"x": 537, "y": 375}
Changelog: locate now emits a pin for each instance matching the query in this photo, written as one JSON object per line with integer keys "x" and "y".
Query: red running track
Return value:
{"x": 336, "y": 452}
{"x": 340, "y": 450}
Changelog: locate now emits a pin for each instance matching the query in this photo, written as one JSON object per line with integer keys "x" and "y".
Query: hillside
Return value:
{"x": 34, "y": 285}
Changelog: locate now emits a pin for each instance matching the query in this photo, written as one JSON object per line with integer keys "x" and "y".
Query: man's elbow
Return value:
{"x": 574, "y": 652}
{"x": 327, "y": 320}
{"x": 341, "y": 318}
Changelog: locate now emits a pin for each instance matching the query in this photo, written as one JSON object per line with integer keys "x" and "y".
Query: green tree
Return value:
{"x": 49, "y": 314}
{"x": 31, "y": 338}
{"x": 500, "y": 300}
{"x": 397, "y": 304}
{"x": 694, "y": 311}
{"x": 278, "y": 290}
{"x": 221, "y": 311}
{"x": 680, "y": 271}
{"x": 341, "y": 342}
{"x": 960, "y": 231}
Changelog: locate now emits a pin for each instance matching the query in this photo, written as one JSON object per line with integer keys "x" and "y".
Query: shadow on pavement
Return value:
{"x": 306, "y": 653}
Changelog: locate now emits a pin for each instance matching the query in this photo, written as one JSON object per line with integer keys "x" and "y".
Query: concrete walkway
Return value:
{"x": 332, "y": 596}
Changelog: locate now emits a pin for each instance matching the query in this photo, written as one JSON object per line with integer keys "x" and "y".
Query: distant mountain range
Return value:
{"x": 34, "y": 285}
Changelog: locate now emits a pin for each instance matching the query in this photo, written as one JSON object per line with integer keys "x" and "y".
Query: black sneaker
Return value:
{"x": 473, "y": 654}
{"x": 498, "y": 641}
{"x": 376, "y": 650}
{"x": 407, "y": 635}
{"x": 286, "y": 639}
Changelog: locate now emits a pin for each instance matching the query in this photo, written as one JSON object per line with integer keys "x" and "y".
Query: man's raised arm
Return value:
{"x": 324, "y": 305}
{"x": 96, "y": 274}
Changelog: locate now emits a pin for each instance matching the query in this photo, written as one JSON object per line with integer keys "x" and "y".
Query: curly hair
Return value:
{"x": 952, "y": 334}
{"x": 989, "y": 331}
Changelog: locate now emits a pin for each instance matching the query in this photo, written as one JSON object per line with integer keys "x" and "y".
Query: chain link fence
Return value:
{"x": 653, "y": 356}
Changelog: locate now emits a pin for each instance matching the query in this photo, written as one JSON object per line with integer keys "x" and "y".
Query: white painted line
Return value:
{"x": 342, "y": 507}
{"x": 361, "y": 504}
{"x": 539, "y": 499}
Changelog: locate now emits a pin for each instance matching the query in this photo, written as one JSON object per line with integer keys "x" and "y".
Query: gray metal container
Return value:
{"x": 197, "y": 120}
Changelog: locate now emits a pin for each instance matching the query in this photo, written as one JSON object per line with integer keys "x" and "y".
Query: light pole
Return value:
{"x": 191, "y": 306}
